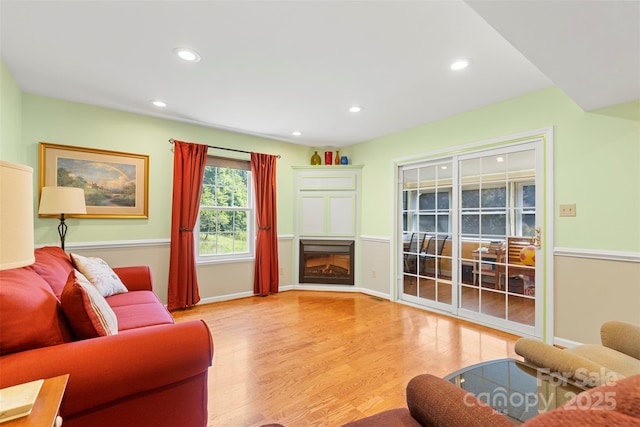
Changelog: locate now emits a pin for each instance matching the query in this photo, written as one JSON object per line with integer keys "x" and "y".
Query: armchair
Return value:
{"x": 618, "y": 356}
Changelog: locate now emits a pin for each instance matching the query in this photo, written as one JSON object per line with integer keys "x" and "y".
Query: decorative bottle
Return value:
{"x": 315, "y": 159}
{"x": 328, "y": 157}
{"x": 337, "y": 159}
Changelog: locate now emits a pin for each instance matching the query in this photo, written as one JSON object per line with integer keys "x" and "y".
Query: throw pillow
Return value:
{"x": 86, "y": 310}
{"x": 30, "y": 316}
{"x": 100, "y": 274}
{"x": 54, "y": 266}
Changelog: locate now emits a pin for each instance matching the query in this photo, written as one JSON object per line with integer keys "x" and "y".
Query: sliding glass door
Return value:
{"x": 471, "y": 235}
{"x": 427, "y": 220}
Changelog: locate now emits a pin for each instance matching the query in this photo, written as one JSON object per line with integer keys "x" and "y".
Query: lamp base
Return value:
{"x": 62, "y": 230}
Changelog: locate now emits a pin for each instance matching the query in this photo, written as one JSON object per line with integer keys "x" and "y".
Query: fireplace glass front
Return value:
{"x": 327, "y": 262}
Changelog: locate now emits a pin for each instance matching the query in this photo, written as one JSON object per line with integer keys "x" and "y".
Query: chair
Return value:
{"x": 411, "y": 253}
{"x": 430, "y": 255}
{"x": 508, "y": 261}
{"x": 619, "y": 354}
{"x": 435, "y": 402}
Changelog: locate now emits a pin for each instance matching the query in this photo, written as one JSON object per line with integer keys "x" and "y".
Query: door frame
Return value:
{"x": 544, "y": 326}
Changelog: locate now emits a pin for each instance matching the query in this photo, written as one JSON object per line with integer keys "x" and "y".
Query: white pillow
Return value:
{"x": 99, "y": 274}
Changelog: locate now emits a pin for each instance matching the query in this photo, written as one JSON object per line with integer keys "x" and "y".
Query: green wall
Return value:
{"x": 596, "y": 161}
{"x": 29, "y": 119}
{"x": 10, "y": 118}
{"x": 596, "y": 165}
{"x": 67, "y": 123}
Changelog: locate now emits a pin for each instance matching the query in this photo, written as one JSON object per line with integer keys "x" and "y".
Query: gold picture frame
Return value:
{"x": 116, "y": 184}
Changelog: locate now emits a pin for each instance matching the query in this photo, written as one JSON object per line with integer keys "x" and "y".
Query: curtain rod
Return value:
{"x": 224, "y": 148}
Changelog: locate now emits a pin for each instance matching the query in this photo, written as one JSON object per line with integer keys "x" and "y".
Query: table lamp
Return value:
{"x": 16, "y": 215}
{"x": 62, "y": 201}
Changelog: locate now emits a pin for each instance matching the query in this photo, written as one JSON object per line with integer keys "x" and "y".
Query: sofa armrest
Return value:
{"x": 622, "y": 337}
{"x": 136, "y": 278}
{"x": 107, "y": 369}
{"x": 563, "y": 362}
{"x": 433, "y": 401}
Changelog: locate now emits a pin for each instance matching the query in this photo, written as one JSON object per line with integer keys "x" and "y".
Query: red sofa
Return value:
{"x": 153, "y": 372}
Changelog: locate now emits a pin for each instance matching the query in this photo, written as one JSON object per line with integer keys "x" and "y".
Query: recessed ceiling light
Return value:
{"x": 159, "y": 104}
{"x": 187, "y": 54}
{"x": 460, "y": 64}
{"x": 355, "y": 109}
{"x": 499, "y": 159}
{"x": 443, "y": 167}
{"x": 296, "y": 133}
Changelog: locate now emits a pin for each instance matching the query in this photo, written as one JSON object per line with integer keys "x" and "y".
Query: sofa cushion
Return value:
{"x": 587, "y": 417}
{"x": 87, "y": 311}
{"x": 141, "y": 315}
{"x": 136, "y": 309}
{"x": 53, "y": 264}
{"x": 133, "y": 298}
{"x": 617, "y": 403}
{"x": 614, "y": 360}
{"x": 100, "y": 274}
{"x": 30, "y": 314}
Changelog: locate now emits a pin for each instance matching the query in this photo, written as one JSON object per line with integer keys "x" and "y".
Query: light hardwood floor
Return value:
{"x": 306, "y": 358}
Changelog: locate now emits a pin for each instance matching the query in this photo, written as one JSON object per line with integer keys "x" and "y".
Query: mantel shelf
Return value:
{"x": 326, "y": 167}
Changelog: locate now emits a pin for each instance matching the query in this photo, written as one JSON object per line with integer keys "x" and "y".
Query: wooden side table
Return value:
{"x": 45, "y": 410}
{"x": 484, "y": 263}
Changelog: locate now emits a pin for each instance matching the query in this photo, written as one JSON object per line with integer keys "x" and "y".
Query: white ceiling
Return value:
{"x": 271, "y": 67}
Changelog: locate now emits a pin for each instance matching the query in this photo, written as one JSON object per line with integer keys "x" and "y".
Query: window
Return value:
{"x": 485, "y": 212}
{"x": 226, "y": 218}
{"x": 526, "y": 209}
{"x": 427, "y": 199}
{"x": 434, "y": 209}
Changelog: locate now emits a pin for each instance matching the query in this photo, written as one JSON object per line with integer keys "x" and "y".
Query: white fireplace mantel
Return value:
{"x": 327, "y": 202}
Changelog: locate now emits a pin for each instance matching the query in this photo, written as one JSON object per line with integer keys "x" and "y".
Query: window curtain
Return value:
{"x": 188, "y": 171}
{"x": 263, "y": 169}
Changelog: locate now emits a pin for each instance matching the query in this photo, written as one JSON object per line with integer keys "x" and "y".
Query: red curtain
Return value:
{"x": 188, "y": 171}
{"x": 263, "y": 169}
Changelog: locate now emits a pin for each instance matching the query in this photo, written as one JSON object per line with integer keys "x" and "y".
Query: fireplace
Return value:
{"x": 326, "y": 262}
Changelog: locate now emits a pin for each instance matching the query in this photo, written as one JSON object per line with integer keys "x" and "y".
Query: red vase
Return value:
{"x": 328, "y": 157}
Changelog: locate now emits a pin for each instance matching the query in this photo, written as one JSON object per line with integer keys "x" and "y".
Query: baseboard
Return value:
{"x": 225, "y": 297}
{"x": 337, "y": 288}
{"x": 286, "y": 288}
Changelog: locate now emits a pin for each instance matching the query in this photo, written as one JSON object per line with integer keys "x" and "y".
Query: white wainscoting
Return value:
{"x": 217, "y": 282}
{"x": 591, "y": 286}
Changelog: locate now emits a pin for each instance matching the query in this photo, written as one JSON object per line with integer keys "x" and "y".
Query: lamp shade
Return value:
{"x": 16, "y": 215}
{"x": 62, "y": 200}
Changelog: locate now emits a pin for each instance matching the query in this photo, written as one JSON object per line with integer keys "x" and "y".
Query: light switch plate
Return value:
{"x": 568, "y": 210}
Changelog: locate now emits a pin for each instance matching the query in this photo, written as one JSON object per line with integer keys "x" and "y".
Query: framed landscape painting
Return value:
{"x": 116, "y": 185}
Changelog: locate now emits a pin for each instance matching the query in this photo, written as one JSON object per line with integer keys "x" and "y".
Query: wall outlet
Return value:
{"x": 374, "y": 274}
{"x": 568, "y": 210}
{"x": 282, "y": 271}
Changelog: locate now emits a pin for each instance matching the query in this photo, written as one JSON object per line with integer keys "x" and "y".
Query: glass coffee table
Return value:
{"x": 514, "y": 388}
